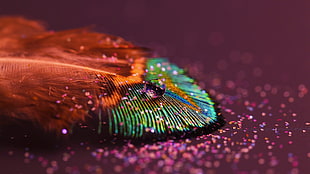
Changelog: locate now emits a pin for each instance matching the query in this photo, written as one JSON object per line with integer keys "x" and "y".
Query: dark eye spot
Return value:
{"x": 153, "y": 90}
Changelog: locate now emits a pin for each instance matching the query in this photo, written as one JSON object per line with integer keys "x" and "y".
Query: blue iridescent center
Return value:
{"x": 160, "y": 68}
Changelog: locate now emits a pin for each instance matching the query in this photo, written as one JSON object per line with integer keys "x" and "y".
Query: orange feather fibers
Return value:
{"x": 39, "y": 72}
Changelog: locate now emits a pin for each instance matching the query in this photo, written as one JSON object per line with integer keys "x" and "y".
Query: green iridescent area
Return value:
{"x": 183, "y": 107}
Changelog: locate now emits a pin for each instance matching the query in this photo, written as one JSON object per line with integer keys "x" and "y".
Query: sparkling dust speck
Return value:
{"x": 64, "y": 131}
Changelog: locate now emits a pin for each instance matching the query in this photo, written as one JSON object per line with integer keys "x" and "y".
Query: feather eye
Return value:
{"x": 80, "y": 80}
{"x": 179, "y": 109}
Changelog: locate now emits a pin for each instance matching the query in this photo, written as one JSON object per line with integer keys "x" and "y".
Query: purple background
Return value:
{"x": 200, "y": 30}
{"x": 257, "y": 42}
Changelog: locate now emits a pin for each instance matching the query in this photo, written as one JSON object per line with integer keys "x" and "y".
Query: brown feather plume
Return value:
{"x": 51, "y": 78}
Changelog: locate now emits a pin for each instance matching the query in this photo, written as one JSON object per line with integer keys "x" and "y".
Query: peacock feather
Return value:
{"x": 68, "y": 81}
